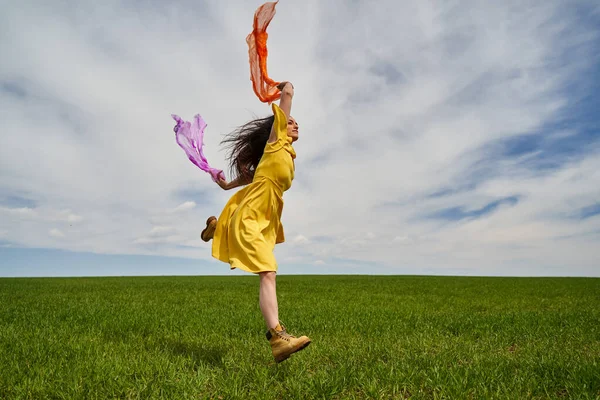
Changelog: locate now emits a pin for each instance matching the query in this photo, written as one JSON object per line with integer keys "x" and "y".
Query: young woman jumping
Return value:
{"x": 249, "y": 226}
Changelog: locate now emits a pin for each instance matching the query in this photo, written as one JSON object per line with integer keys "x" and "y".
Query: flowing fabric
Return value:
{"x": 264, "y": 87}
{"x": 189, "y": 137}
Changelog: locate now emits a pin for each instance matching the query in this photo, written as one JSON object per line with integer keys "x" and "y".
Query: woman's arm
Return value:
{"x": 285, "y": 103}
{"x": 237, "y": 182}
{"x": 287, "y": 93}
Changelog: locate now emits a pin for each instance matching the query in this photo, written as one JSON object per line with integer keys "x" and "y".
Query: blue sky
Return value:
{"x": 436, "y": 138}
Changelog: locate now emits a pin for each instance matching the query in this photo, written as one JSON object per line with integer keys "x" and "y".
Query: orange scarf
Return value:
{"x": 264, "y": 87}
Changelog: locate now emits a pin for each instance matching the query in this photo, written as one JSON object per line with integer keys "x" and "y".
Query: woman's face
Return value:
{"x": 292, "y": 129}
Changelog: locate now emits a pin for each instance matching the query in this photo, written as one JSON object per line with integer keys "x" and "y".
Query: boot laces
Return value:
{"x": 284, "y": 334}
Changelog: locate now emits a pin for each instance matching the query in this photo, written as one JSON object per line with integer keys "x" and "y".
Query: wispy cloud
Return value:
{"x": 589, "y": 211}
{"x": 300, "y": 239}
{"x": 188, "y": 205}
{"x": 458, "y": 213}
{"x": 56, "y": 233}
{"x": 434, "y": 136}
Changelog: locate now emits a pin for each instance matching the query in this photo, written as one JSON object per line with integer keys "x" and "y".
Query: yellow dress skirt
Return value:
{"x": 250, "y": 226}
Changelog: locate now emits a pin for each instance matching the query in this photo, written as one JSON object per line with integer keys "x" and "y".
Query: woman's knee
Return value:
{"x": 268, "y": 276}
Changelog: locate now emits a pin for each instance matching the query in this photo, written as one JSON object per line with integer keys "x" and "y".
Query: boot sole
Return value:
{"x": 209, "y": 228}
{"x": 284, "y": 357}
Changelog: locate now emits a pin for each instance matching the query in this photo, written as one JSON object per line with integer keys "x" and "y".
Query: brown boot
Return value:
{"x": 283, "y": 345}
{"x": 209, "y": 231}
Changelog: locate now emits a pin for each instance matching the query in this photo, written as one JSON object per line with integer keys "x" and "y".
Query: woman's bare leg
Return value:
{"x": 268, "y": 299}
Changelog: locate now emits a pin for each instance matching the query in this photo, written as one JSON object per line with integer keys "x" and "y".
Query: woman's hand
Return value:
{"x": 237, "y": 182}
{"x": 223, "y": 184}
{"x": 286, "y": 88}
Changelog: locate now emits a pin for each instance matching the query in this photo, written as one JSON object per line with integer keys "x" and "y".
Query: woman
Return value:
{"x": 247, "y": 230}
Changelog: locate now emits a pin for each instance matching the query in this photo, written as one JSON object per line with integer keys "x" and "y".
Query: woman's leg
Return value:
{"x": 268, "y": 299}
{"x": 283, "y": 345}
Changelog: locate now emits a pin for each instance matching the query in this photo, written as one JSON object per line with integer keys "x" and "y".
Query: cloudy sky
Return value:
{"x": 437, "y": 137}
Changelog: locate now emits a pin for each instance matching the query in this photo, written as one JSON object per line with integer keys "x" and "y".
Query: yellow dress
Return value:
{"x": 250, "y": 224}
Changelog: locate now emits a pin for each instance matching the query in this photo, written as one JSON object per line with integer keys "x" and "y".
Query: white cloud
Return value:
{"x": 162, "y": 235}
{"x": 402, "y": 240}
{"x": 47, "y": 214}
{"x": 383, "y": 127}
{"x": 188, "y": 205}
{"x": 300, "y": 239}
{"x": 171, "y": 239}
{"x": 22, "y": 212}
{"x": 161, "y": 230}
{"x": 56, "y": 233}
{"x": 73, "y": 218}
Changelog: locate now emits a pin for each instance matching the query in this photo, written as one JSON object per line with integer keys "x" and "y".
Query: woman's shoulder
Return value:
{"x": 279, "y": 115}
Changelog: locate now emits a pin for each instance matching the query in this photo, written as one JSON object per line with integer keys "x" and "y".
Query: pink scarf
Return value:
{"x": 189, "y": 137}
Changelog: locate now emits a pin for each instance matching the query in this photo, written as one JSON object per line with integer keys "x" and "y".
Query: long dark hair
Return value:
{"x": 247, "y": 145}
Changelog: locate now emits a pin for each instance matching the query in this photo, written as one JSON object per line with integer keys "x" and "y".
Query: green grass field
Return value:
{"x": 373, "y": 337}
